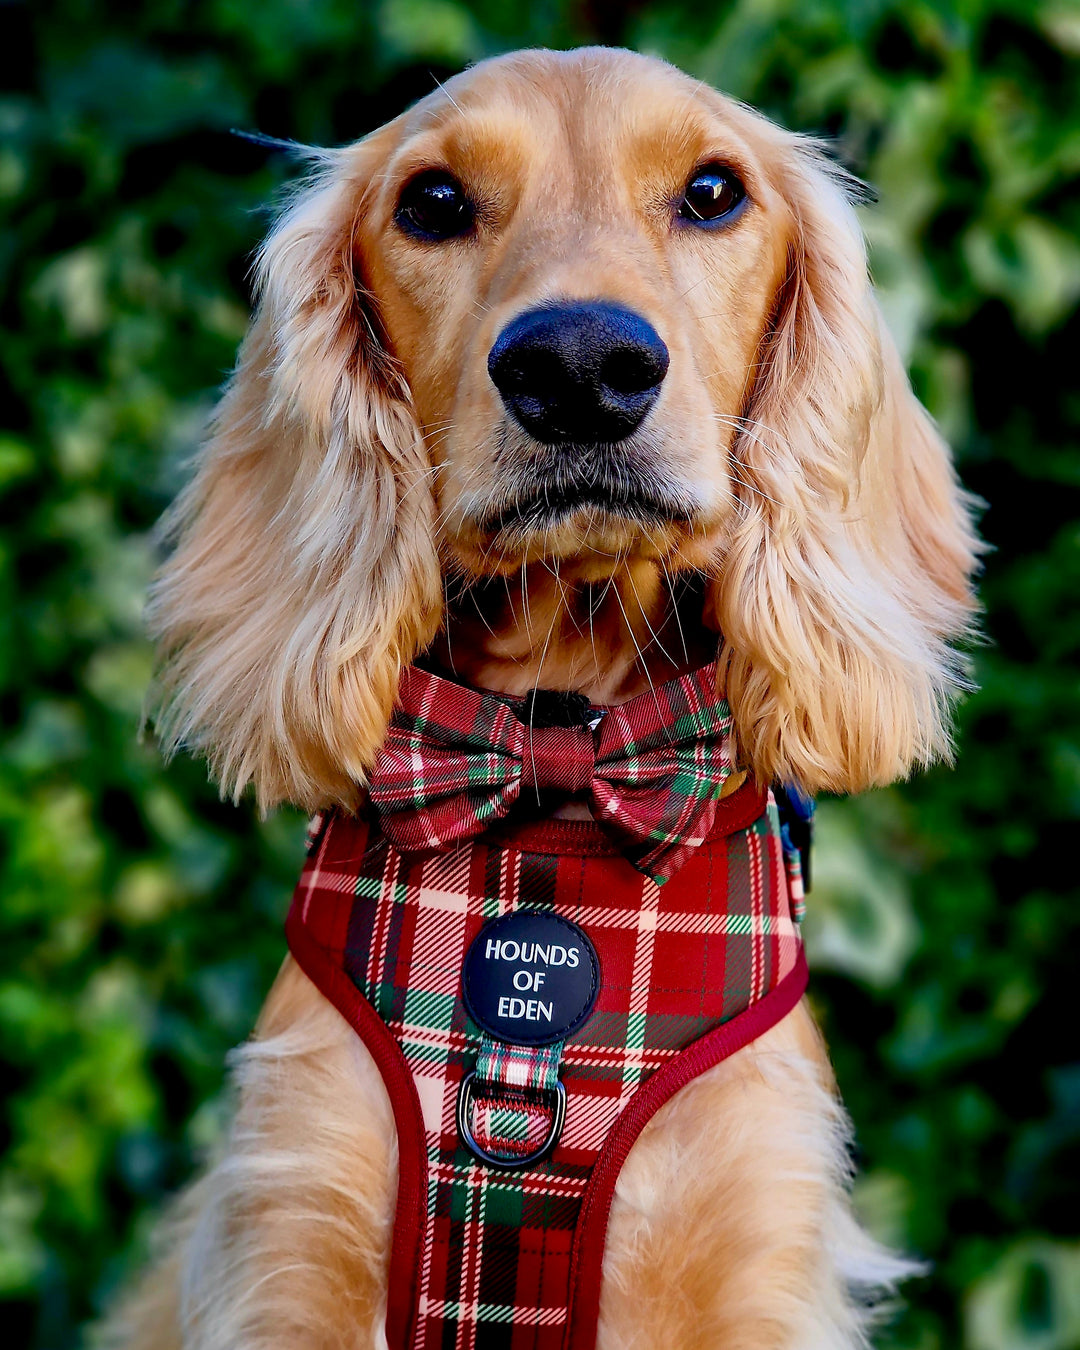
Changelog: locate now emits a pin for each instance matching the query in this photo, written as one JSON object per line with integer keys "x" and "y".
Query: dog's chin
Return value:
{"x": 589, "y": 535}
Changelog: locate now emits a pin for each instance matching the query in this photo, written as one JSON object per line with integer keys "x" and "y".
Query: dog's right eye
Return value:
{"x": 434, "y": 205}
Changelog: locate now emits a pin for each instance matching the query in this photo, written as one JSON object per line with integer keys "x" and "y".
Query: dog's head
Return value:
{"x": 573, "y": 309}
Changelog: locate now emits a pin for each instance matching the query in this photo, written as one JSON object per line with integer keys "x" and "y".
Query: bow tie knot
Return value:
{"x": 558, "y": 758}
{"x": 456, "y": 760}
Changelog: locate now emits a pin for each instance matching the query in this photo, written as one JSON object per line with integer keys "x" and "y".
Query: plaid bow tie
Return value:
{"x": 455, "y": 761}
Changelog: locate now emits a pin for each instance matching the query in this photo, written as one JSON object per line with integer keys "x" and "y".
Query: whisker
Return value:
{"x": 445, "y": 90}
{"x": 692, "y": 286}
{"x": 539, "y": 681}
{"x": 675, "y": 607}
{"x": 592, "y": 635}
{"x": 446, "y": 626}
{"x": 640, "y": 653}
{"x": 655, "y": 636}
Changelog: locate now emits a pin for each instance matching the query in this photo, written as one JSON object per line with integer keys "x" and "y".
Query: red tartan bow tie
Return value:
{"x": 456, "y": 760}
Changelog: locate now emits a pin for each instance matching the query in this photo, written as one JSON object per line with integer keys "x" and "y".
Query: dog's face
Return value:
{"x": 575, "y": 262}
{"x": 575, "y": 312}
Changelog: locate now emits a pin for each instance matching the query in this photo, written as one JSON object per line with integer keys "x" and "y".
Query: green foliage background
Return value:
{"x": 140, "y": 918}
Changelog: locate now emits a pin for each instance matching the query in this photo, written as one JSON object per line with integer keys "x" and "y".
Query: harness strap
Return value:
{"x": 511, "y": 1107}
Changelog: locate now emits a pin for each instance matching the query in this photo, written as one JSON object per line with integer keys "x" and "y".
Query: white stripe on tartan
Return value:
{"x": 376, "y": 955}
{"x": 757, "y": 963}
{"x": 429, "y": 1089}
{"x": 448, "y": 1125}
{"x": 335, "y": 882}
{"x": 589, "y": 1119}
{"x": 514, "y": 1073}
{"x": 439, "y": 898}
{"x": 420, "y": 1054}
{"x": 473, "y": 1242}
{"x": 449, "y": 871}
{"x": 493, "y": 1312}
{"x": 509, "y": 876}
{"x": 476, "y": 1179}
{"x": 429, "y": 1248}
{"x": 527, "y": 1183}
{"x": 438, "y": 949}
{"x": 640, "y": 983}
{"x": 765, "y": 925}
{"x": 434, "y": 1037}
{"x": 610, "y": 1056}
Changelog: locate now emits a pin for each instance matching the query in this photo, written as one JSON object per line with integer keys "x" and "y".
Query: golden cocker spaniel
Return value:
{"x": 569, "y": 376}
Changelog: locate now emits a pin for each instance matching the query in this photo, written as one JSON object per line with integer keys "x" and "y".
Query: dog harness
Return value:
{"x": 533, "y": 989}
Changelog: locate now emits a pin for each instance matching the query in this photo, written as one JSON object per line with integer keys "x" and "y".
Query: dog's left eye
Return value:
{"x": 434, "y": 205}
{"x": 713, "y": 193}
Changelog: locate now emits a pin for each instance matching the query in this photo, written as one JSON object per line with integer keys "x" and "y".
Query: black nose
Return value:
{"x": 579, "y": 372}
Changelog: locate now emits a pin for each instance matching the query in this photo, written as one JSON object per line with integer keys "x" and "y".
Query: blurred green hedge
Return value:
{"x": 140, "y": 918}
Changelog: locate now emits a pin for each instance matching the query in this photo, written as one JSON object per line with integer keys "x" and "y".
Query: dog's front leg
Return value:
{"x": 731, "y": 1226}
{"x": 284, "y": 1244}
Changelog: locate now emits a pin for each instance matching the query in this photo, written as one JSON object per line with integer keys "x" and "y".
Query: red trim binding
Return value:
{"x": 591, "y": 1233}
{"x": 410, "y": 1215}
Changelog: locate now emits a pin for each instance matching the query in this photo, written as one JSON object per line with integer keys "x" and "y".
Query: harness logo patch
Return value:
{"x": 530, "y": 978}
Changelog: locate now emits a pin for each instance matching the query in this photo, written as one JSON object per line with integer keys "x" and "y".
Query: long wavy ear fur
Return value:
{"x": 304, "y": 574}
{"x": 848, "y": 568}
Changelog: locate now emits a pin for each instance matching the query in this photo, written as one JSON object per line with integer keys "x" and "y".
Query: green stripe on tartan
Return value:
{"x": 368, "y": 888}
{"x": 716, "y": 718}
{"x": 425, "y": 1009}
{"x": 495, "y": 1312}
{"x": 487, "y": 806}
{"x": 501, "y": 1312}
{"x": 503, "y": 1204}
{"x": 417, "y": 1050}
{"x": 742, "y": 925}
{"x": 507, "y": 1123}
{"x": 693, "y": 783}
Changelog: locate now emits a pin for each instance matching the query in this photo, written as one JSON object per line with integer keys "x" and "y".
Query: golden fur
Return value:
{"x": 335, "y": 528}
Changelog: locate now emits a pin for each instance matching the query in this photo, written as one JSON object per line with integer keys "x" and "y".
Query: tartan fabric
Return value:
{"x": 496, "y": 1262}
{"x": 455, "y": 760}
{"x": 512, "y": 1111}
{"x": 529, "y": 1068}
{"x": 796, "y": 890}
{"x": 510, "y": 1125}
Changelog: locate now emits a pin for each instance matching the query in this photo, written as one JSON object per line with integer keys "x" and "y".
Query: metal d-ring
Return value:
{"x": 558, "y": 1117}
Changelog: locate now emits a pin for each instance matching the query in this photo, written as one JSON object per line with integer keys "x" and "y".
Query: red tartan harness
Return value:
{"x": 506, "y": 1254}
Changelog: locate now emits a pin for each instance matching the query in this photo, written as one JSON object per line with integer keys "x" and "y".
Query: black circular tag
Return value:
{"x": 530, "y": 978}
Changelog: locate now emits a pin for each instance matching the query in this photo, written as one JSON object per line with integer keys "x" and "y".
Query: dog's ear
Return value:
{"x": 848, "y": 569}
{"x": 304, "y": 573}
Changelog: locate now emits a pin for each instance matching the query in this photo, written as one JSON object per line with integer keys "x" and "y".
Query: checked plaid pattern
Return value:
{"x": 676, "y": 962}
{"x": 510, "y": 1116}
{"x": 456, "y": 760}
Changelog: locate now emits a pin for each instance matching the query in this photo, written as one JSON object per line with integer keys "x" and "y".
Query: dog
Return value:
{"x": 569, "y": 378}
